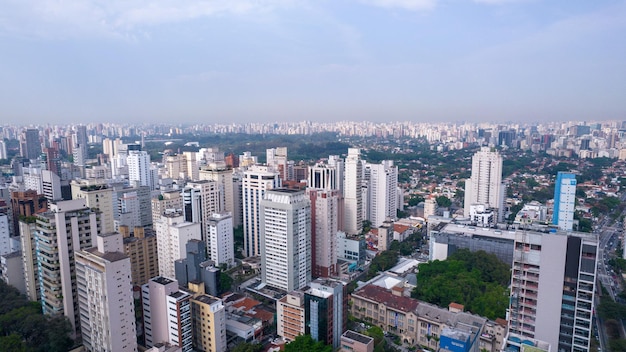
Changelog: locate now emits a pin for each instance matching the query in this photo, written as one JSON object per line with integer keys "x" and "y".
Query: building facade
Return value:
{"x": 256, "y": 182}
{"x": 105, "y": 296}
{"x": 564, "y": 201}
{"x": 352, "y": 193}
{"x": 286, "y": 239}
{"x": 173, "y": 233}
{"x": 67, "y": 227}
{"x": 220, "y": 243}
{"x": 485, "y": 185}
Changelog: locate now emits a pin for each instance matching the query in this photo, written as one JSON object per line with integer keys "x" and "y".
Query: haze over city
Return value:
{"x": 287, "y": 60}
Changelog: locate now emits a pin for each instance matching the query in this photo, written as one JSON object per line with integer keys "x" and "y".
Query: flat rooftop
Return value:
{"x": 357, "y": 337}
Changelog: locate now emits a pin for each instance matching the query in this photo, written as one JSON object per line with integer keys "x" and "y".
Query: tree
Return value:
{"x": 306, "y": 343}
{"x": 477, "y": 280}
{"x": 415, "y": 200}
{"x": 248, "y": 347}
{"x": 225, "y": 282}
{"x": 22, "y": 319}
{"x": 443, "y": 201}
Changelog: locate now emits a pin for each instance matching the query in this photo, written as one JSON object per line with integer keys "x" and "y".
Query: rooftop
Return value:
{"x": 206, "y": 299}
{"x": 109, "y": 256}
{"x": 357, "y": 337}
{"x": 162, "y": 280}
{"x": 379, "y": 294}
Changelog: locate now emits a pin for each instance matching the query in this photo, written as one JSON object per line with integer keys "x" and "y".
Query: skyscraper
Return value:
{"x": 223, "y": 176}
{"x": 220, "y": 239}
{"x": 81, "y": 146}
{"x": 201, "y": 200}
{"x": 99, "y": 196}
{"x": 326, "y": 315}
{"x": 256, "y": 182}
{"x": 105, "y": 296}
{"x": 166, "y": 200}
{"x": 3, "y": 150}
{"x": 277, "y": 160}
{"x": 173, "y": 233}
{"x": 30, "y": 145}
{"x": 324, "y": 226}
{"x": 286, "y": 239}
{"x": 485, "y": 185}
{"x": 141, "y": 248}
{"x": 552, "y": 289}
{"x": 353, "y": 204}
{"x": 564, "y": 201}
{"x": 139, "y": 172}
{"x": 208, "y": 323}
{"x": 69, "y": 226}
{"x": 166, "y": 313}
{"x": 383, "y": 192}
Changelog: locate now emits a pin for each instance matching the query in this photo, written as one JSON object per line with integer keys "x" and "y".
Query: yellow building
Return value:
{"x": 208, "y": 321}
{"x": 142, "y": 250}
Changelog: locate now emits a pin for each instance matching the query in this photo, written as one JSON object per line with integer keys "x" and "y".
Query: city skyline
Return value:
{"x": 280, "y": 60}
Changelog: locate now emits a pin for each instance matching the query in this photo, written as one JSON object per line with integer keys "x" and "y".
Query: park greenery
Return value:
{"x": 477, "y": 280}
{"x": 306, "y": 343}
{"x": 23, "y": 327}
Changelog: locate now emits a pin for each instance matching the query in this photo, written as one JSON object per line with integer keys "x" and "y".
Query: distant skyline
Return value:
{"x": 241, "y": 61}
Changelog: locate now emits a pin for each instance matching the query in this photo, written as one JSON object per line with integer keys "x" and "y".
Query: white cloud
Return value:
{"x": 413, "y": 5}
{"x": 80, "y": 17}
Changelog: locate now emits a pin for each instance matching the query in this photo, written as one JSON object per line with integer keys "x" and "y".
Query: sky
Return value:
{"x": 223, "y": 61}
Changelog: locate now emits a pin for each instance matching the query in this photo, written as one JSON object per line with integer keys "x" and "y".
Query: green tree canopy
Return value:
{"x": 477, "y": 280}
{"x": 306, "y": 343}
{"x": 248, "y": 347}
{"x": 23, "y": 327}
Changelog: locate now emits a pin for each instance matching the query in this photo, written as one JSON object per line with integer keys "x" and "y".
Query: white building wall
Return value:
{"x": 154, "y": 297}
{"x": 286, "y": 239}
{"x": 173, "y": 233}
{"x": 220, "y": 239}
{"x": 256, "y": 181}
{"x": 353, "y": 206}
{"x": 106, "y": 301}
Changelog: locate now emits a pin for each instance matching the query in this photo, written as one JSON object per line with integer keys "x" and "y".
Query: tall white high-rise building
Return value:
{"x": 27, "y": 229}
{"x": 139, "y": 172}
{"x": 173, "y": 233}
{"x": 3, "y": 150}
{"x": 485, "y": 185}
{"x": 325, "y": 211}
{"x": 256, "y": 182}
{"x": 105, "y": 296}
{"x": 166, "y": 313}
{"x": 67, "y": 227}
{"x": 383, "y": 189}
{"x": 564, "y": 201}
{"x": 219, "y": 173}
{"x": 286, "y": 239}
{"x": 352, "y": 196}
{"x": 202, "y": 199}
{"x": 220, "y": 243}
{"x": 277, "y": 160}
